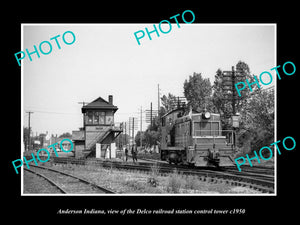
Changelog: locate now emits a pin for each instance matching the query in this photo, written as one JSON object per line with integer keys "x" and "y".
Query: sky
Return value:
{"x": 105, "y": 59}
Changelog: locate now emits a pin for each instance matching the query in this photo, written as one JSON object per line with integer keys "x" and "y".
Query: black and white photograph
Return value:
{"x": 161, "y": 116}
{"x": 138, "y": 113}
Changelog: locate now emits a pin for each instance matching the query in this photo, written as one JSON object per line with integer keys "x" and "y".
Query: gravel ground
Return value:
{"x": 133, "y": 182}
{"x": 34, "y": 184}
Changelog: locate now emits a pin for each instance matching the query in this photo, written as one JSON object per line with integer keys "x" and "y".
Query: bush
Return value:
{"x": 174, "y": 182}
{"x": 155, "y": 170}
{"x": 191, "y": 182}
{"x": 152, "y": 180}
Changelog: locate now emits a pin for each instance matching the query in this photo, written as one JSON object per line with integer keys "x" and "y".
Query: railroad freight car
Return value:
{"x": 196, "y": 139}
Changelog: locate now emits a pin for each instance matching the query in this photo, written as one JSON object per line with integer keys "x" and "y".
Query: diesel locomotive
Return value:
{"x": 196, "y": 139}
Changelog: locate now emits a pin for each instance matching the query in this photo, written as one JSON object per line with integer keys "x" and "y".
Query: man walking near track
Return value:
{"x": 134, "y": 153}
{"x": 126, "y": 154}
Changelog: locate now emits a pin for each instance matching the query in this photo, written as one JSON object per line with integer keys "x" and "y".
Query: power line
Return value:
{"x": 83, "y": 103}
{"x": 53, "y": 112}
{"x": 68, "y": 113}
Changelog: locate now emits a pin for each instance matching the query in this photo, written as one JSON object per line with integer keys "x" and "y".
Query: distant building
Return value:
{"x": 66, "y": 145}
{"x": 99, "y": 127}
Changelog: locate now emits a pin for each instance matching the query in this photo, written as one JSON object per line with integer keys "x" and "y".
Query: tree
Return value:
{"x": 152, "y": 137}
{"x": 122, "y": 139}
{"x": 222, "y": 98}
{"x": 197, "y": 91}
{"x": 65, "y": 135}
{"x": 149, "y": 138}
{"x": 168, "y": 102}
{"x": 138, "y": 136}
{"x": 257, "y": 120}
{"x": 256, "y": 110}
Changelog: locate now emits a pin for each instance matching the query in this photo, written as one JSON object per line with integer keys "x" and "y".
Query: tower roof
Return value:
{"x": 99, "y": 103}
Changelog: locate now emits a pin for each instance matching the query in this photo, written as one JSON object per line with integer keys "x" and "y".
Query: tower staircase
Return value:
{"x": 100, "y": 138}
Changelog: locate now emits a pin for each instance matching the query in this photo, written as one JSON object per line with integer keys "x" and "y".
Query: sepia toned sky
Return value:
{"x": 105, "y": 59}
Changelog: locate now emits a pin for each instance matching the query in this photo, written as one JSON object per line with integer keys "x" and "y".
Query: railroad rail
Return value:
{"x": 256, "y": 181}
{"x": 254, "y": 169}
{"x": 68, "y": 183}
{"x": 253, "y": 173}
{"x": 61, "y": 190}
{"x": 263, "y": 176}
{"x": 259, "y": 174}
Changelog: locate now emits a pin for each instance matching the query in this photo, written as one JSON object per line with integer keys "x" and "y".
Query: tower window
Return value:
{"x": 96, "y": 118}
{"x": 90, "y": 117}
{"x": 102, "y": 118}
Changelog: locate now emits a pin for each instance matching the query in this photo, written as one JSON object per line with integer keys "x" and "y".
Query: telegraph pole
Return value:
{"x": 132, "y": 131}
{"x": 129, "y": 133}
{"x": 228, "y": 81}
{"x": 83, "y": 104}
{"x": 151, "y": 114}
{"x": 141, "y": 134}
{"x": 233, "y": 91}
{"x": 125, "y": 135}
{"x": 158, "y": 99}
{"x": 28, "y": 129}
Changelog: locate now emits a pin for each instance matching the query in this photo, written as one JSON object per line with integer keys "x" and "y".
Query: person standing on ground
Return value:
{"x": 133, "y": 153}
{"x": 126, "y": 154}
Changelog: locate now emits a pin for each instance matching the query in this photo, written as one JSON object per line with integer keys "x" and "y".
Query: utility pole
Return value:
{"x": 233, "y": 103}
{"x": 129, "y": 133}
{"x": 28, "y": 129}
{"x": 228, "y": 82}
{"x": 233, "y": 91}
{"x": 125, "y": 135}
{"x": 151, "y": 114}
{"x": 83, "y": 104}
{"x": 132, "y": 131}
{"x": 158, "y": 100}
{"x": 141, "y": 134}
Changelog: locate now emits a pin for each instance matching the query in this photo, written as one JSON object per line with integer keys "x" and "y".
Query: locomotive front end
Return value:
{"x": 196, "y": 139}
{"x": 212, "y": 146}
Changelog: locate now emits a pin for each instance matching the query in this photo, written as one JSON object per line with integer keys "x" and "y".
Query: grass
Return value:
{"x": 126, "y": 182}
{"x": 153, "y": 179}
{"x": 179, "y": 183}
{"x": 174, "y": 182}
{"x": 263, "y": 163}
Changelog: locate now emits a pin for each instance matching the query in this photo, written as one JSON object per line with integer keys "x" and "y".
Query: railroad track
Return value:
{"x": 261, "y": 182}
{"x": 261, "y": 178}
{"x": 253, "y": 173}
{"x": 68, "y": 183}
{"x": 257, "y": 181}
{"x": 257, "y": 178}
{"x": 254, "y": 169}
